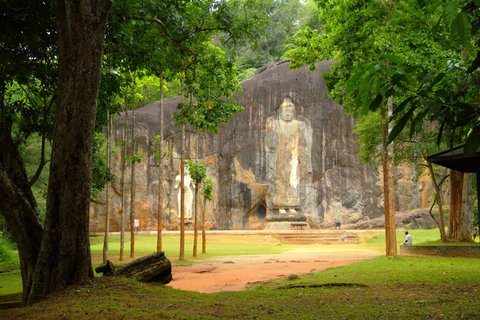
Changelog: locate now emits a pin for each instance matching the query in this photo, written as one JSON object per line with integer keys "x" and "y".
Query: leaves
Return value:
{"x": 475, "y": 64}
{"x": 450, "y": 12}
{"x": 462, "y": 28}
{"x": 212, "y": 80}
{"x": 401, "y": 124}
{"x": 472, "y": 144}
{"x": 136, "y": 157}
{"x": 197, "y": 171}
{"x": 207, "y": 190}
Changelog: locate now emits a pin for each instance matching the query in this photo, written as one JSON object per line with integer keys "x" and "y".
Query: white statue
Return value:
{"x": 288, "y": 154}
{"x": 189, "y": 193}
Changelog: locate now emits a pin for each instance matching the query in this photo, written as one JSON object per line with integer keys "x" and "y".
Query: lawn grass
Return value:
{"x": 399, "y": 288}
{"x": 10, "y": 282}
{"x": 217, "y": 245}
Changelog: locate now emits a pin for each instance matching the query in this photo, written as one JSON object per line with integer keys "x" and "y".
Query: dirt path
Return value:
{"x": 237, "y": 272}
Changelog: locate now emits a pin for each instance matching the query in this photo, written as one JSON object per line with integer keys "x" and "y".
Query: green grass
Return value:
{"x": 10, "y": 282}
{"x": 400, "y": 288}
{"x": 217, "y": 245}
{"x": 10, "y": 278}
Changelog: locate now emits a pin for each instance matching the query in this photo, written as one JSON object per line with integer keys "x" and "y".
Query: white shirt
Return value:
{"x": 408, "y": 239}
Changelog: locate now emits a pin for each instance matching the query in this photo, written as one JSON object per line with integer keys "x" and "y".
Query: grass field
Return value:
{"x": 399, "y": 288}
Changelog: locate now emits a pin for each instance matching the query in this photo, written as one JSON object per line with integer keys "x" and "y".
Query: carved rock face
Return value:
{"x": 301, "y": 159}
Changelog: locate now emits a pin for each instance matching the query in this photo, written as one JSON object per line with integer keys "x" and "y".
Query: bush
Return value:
{"x": 8, "y": 258}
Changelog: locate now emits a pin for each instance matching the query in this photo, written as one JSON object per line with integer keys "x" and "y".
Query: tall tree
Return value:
{"x": 59, "y": 255}
{"x": 160, "y": 172}
{"x": 133, "y": 161}
{"x": 198, "y": 172}
{"x": 107, "y": 187}
{"x": 388, "y": 184}
{"x": 122, "y": 179}
{"x": 64, "y": 256}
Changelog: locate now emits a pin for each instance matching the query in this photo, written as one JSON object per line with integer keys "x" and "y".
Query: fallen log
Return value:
{"x": 153, "y": 268}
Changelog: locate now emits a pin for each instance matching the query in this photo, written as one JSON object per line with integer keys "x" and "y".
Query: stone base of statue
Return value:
{"x": 288, "y": 218}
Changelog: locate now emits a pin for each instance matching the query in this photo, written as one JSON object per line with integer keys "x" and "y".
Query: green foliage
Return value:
{"x": 212, "y": 81}
{"x": 137, "y": 157}
{"x": 422, "y": 53}
{"x": 282, "y": 18}
{"x": 167, "y": 152}
{"x": 101, "y": 174}
{"x": 247, "y": 74}
{"x": 207, "y": 190}
{"x": 197, "y": 170}
{"x": 8, "y": 254}
{"x": 31, "y": 155}
{"x": 173, "y": 38}
{"x": 367, "y": 129}
{"x": 28, "y": 42}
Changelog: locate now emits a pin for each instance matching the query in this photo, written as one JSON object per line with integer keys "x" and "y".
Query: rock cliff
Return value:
{"x": 331, "y": 183}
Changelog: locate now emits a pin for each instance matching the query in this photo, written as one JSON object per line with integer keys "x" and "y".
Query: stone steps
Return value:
{"x": 318, "y": 237}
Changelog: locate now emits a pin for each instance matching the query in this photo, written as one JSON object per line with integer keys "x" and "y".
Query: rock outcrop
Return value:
{"x": 317, "y": 149}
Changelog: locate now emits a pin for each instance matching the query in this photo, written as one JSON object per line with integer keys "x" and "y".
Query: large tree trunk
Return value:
{"x": 153, "y": 268}
{"x": 64, "y": 257}
{"x": 18, "y": 205}
{"x": 388, "y": 188}
{"x": 459, "y": 222}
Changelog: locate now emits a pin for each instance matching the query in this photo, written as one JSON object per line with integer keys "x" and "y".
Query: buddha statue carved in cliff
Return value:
{"x": 288, "y": 157}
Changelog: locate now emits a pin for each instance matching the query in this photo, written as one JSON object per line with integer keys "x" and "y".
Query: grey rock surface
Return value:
{"x": 338, "y": 185}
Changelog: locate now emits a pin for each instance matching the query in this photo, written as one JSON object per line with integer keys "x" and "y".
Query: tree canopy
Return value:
{"x": 425, "y": 54}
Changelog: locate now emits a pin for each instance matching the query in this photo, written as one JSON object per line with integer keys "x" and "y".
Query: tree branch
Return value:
{"x": 42, "y": 164}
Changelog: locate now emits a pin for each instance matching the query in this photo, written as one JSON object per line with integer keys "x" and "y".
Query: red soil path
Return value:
{"x": 238, "y": 272}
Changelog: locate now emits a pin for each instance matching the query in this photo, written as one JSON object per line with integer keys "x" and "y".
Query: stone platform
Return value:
{"x": 317, "y": 237}
{"x": 287, "y": 225}
{"x": 326, "y": 236}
